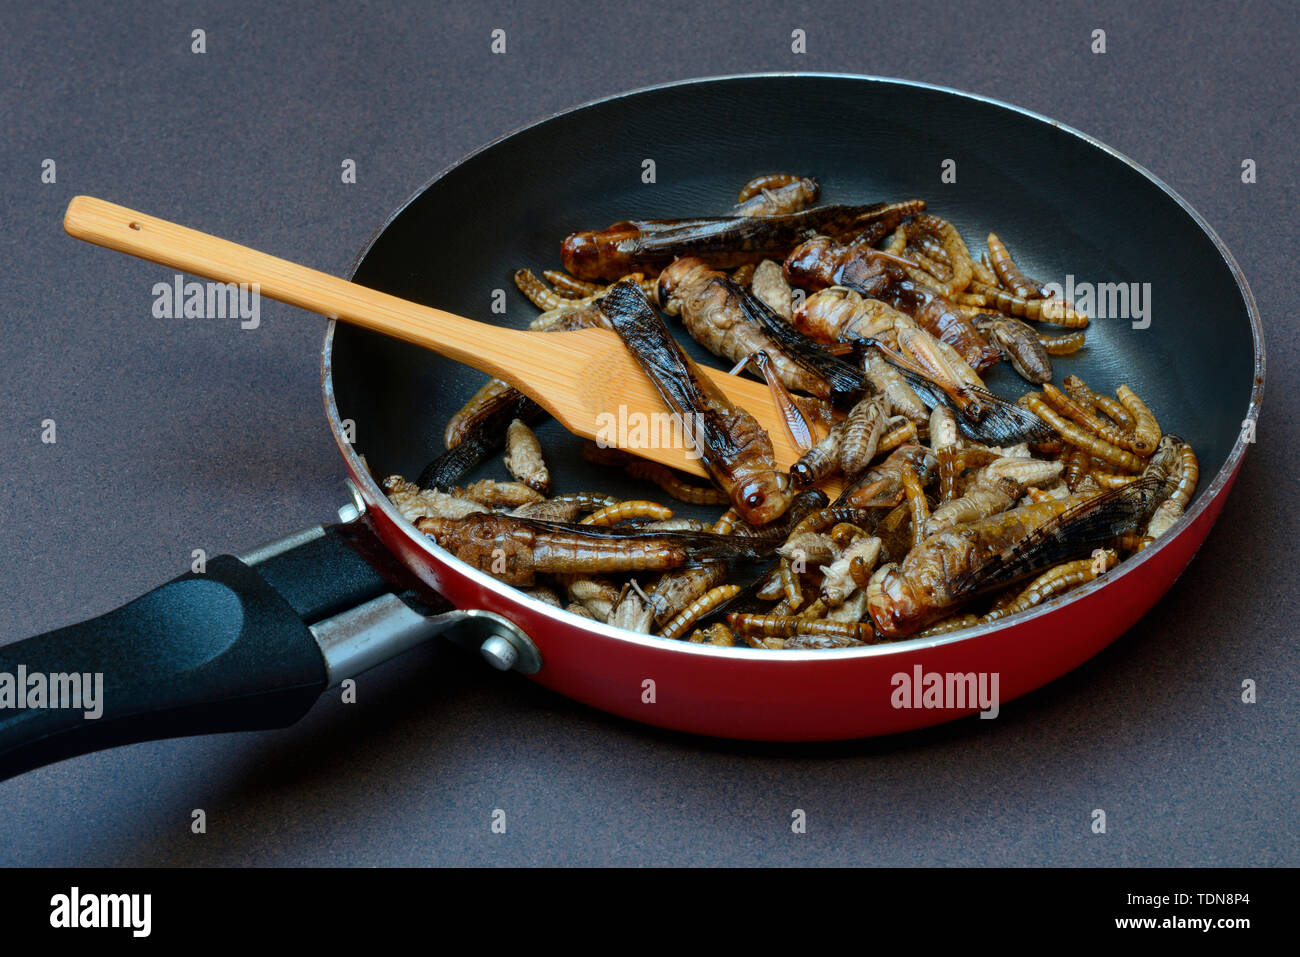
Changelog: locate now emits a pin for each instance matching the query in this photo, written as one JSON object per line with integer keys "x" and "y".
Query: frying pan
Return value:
{"x": 252, "y": 641}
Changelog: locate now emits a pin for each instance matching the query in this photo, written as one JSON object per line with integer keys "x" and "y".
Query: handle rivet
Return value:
{"x": 499, "y": 653}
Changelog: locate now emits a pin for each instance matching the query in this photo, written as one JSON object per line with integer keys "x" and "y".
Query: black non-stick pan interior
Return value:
{"x": 1062, "y": 204}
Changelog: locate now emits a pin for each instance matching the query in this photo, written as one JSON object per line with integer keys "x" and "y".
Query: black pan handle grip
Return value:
{"x": 212, "y": 652}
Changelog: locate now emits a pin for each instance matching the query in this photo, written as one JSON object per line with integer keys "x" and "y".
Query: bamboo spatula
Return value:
{"x": 580, "y": 377}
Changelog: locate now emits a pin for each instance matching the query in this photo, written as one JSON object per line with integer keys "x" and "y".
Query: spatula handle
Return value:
{"x": 157, "y": 240}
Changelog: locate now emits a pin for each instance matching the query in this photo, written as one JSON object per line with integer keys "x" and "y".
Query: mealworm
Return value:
{"x": 1111, "y": 480}
{"x": 787, "y": 626}
{"x": 1067, "y": 406}
{"x": 674, "y": 485}
{"x": 1075, "y": 435}
{"x": 948, "y": 625}
{"x": 569, "y": 286}
{"x": 1062, "y": 345}
{"x": 1009, "y": 273}
{"x": 623, "y": 511}
{"x": 1189, "y": 473}
{"x": 1146, "y": 430}
{"x": 1056, "y": 581}
{"x": 697, "y": 609}
{"x": 916, "y": 503}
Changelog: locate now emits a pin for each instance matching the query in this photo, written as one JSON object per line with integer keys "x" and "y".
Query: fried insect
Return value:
{"x": 1078, "y": 463}
{"x": 723, "y": 242}
{"x": 661, "y": 475}
{"x": 1146, "y": 430}
{"x": 980, "y": 501}
{"x": 500, "y": 494}
{"x": 863, "y": 428}
{"x": 835, "y": 379}
{"x": 449, "y": 467}
{"x": 949, "y": 460}
{"x": 717, "y": 634}
{"x": 626, "y": 511}
{"x": 948, "y": 625}
{"x": 955, "y": 565}
{"x": 570, "y": 504}
{"x": 1078, "y": 390}
{"x": 807, "y": 548}
{"x": 902, "y": 434}
{"x": 835, "y": 634}
{"x": 516, "y": 549}
{"x": 837, "y": 314}
{"x": 1068, "y": 406}
{"x": 1096, "y": 447}
{"x": 675, "y": 590}
{"x": 415, "y": 503}
{"x": 1020, "y": 344}
{"x": 943, "y": 428}
{"x": 712, "y": 310}
{"x": 1062, "y": 345}
{"x": 903, "y": 399}
{"x": 916, "y": 503}
{"x": 1166, "y": 514}
{"x": 697, "y": 609}
{"x": 950, "y": 243}
{"x": 1009, "y": 274}
{"x": 1054, "y": 311}
{"x": 883, "y": 484}
{"x": 477, "y": 431}
{"x": 576, "y": 314}
{"x": 742, "y": 276}
{"x": 820, "y": 461}
{"x": 550, "y": 510}
{"x": 1189, "y": 474}
{"x": 734, "y": 448}
{"x": 632, "y": 610}
{"x": 538, "y": 293}
{"x": 792, "y": 414}
{"x": 769, "y": 286}
{"x": 780, "y": 193}
{"x": 770, "y": 181}
{"x": 935, "y": 314}
{"x": 491, "y": 395}
{"x": 595, "y": 593}
{"x": 1023, "y": 470}
{"x": 524, "y": 457}
{"x": 846, "y": 573}
{"x": 570, "y": 287}
{"x": 981, "y": 415}
{"x": 1057, "y": 581}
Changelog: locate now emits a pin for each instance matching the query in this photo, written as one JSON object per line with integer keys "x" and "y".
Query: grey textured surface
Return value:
{"x": 195, "y": 434}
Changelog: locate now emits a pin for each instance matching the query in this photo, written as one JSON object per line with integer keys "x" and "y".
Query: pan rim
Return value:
{"x": 511, "y": 595}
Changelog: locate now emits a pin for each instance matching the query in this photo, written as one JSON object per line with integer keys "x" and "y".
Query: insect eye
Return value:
{"x": 754, "y": 500}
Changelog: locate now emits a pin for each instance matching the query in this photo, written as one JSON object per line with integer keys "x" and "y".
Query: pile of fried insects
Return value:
{"x": 871, "y": 325}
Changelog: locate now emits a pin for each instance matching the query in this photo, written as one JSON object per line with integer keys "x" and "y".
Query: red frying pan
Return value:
{"x": 251, "y": 643}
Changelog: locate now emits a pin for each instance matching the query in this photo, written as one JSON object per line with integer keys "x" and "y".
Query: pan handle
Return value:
{"x": 245, "y": 645}
{"x": 219, "y": 651}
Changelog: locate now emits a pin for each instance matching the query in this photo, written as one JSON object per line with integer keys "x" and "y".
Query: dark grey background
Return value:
{"x": 195, "y": 434}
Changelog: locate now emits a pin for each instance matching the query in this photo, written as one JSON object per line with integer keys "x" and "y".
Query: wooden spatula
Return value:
{"x": 582, "y": 377}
